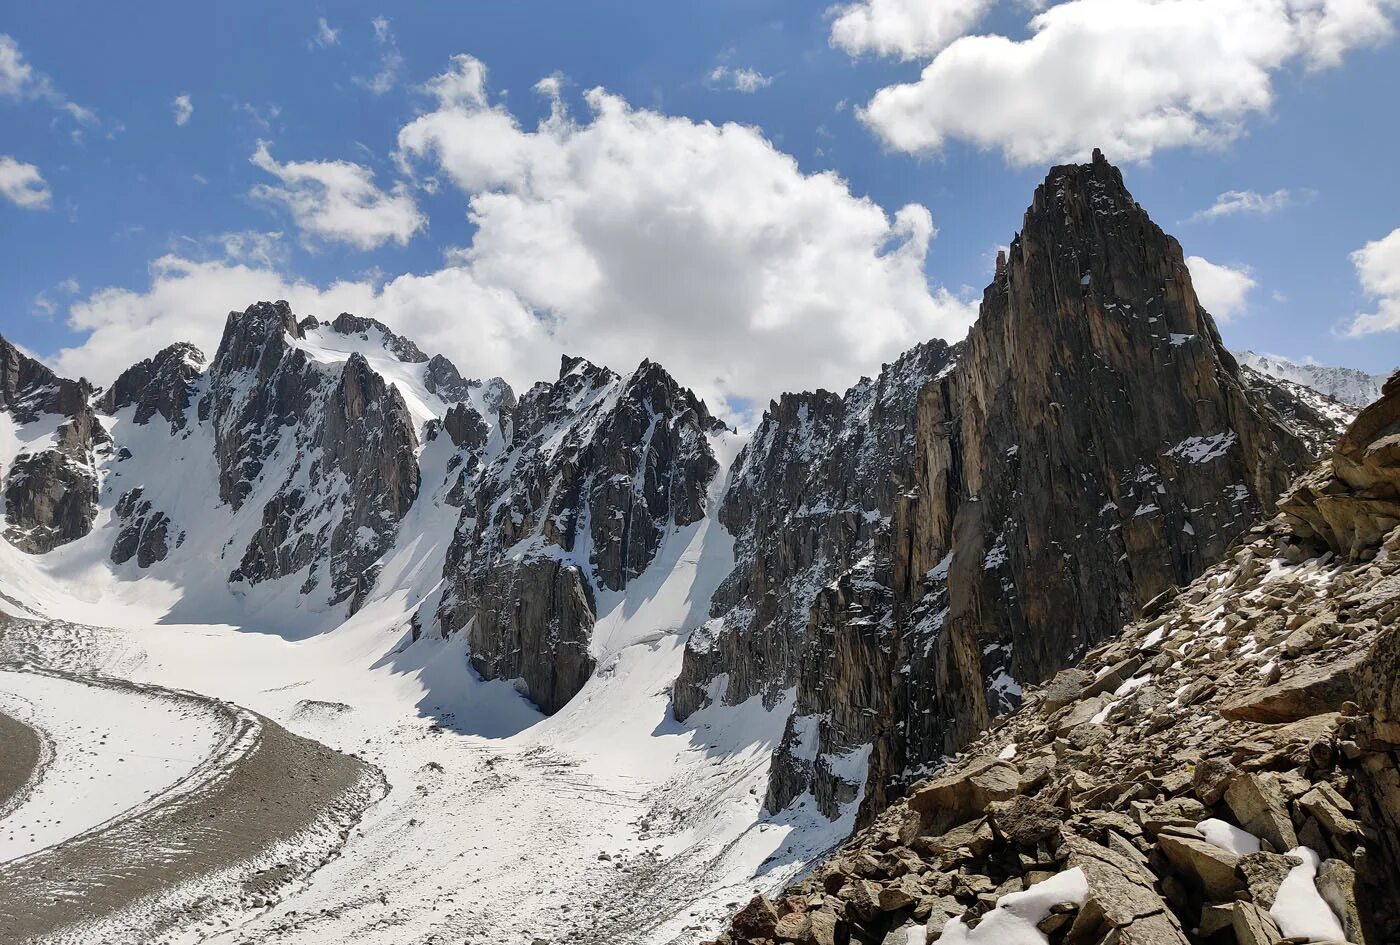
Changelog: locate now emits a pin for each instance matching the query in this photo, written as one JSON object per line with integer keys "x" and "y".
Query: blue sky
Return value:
{"x": 682, "y": 242}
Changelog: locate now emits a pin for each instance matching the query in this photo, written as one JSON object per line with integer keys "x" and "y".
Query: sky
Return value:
{"x": 761, "y": 196}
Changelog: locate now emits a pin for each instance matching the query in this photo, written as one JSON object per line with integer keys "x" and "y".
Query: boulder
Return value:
{"x": 1258, "y": 805}
{"x": 1312, "y": 690}
{"x": 1209, "y": 867}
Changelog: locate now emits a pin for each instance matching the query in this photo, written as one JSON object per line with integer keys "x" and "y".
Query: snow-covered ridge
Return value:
{"x": 1348, "y": 385}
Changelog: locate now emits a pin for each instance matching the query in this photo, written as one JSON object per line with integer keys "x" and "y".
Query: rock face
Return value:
{"x": 1089, "y": 446}
{"x": 593, "y": 470}
{"x": 51, "y": 487}
{"x": 810, "y": 502}
{"x": 1174, "y": 813}
{"x": 338, "y": 439}
{"x": 161, "y": 385}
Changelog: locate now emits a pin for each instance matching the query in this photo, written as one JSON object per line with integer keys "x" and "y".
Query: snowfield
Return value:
{"x": 607, "y": 822}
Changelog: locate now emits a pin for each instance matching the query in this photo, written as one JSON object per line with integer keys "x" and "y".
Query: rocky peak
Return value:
{"x": 1223, "y": 770}
{"x": 997, "y": 509}
{"x": 441, "y": 377}
{"x": 328, "y": 450}
{"x": 596, "y": 471}
{"x": 397, "y": 345}
{"x": 29, "y": 388}
{"x": 163, "y": 385}
{"x": 50, "y": 489}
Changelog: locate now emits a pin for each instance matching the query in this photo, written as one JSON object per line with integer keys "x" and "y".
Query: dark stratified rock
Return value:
{"x": 1088, "y": 447}
{"x": 50, "y": 493}
{"x": 331, "y": 447}
{"x": 161, "y": 385}
{"x": 596, "y": 471}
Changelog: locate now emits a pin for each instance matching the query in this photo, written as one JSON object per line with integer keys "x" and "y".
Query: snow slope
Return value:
{"x": 499, "y": 820}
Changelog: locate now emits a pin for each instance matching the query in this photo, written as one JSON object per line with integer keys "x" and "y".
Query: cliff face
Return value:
{"x": 593, "y": 469}
{"x": 1090, "y": 445}
{"x": 51, "y": 485}
{"x": 1225, "y": 770}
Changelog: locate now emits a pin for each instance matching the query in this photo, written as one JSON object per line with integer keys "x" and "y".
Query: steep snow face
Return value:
{"x": 1347, "y": 385}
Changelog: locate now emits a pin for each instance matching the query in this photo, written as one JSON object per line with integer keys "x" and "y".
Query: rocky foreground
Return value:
{"x": 1225, "y": 770}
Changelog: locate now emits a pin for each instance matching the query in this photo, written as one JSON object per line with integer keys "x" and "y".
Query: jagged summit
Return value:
{"x": 1088, "y": 446}
{"x": 1347, "y": 385}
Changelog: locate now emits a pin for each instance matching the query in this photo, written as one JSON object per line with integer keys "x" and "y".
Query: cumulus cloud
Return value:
{"x": 1223, "y": 290}
{"x": 619, "y": 235}
{"x": 337, "y": 201}
{"x": 1130, "y": 76}
{"x": 907, "y": 29}
{"x": 183, "y": 109}
{"x": 1244, "y": 201}
{"x": 23, "y": 185}
{"x": 1378, "y": 270}
{"x": 739, "y": 79}
{"x": 702, "y": 246}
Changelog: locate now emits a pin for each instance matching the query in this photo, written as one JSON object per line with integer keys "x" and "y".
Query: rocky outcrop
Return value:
{"x": 51, "y": 488}
{"x": 161, "y": 385}
{"x": 1349, "y": 502}
{"x": 1144, "y": 795}
{"x": 332, "y": 446}
{"x": 1088, "y": 447}
{"x": 595, "y": 471}
{"x": 362, "y": 327}
{"x": 144, "y": 533}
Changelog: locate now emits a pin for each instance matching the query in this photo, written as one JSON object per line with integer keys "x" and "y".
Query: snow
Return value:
{"x": 1203, "y": 449}
{"x": 488, "y": 796}
{"x": 1299, "y": 909}
{"x": 1014, "y": 920}
{"x": 1228, "y": 837}
{"x": 113, "y": 749}
{"x": 1007, "y": 753}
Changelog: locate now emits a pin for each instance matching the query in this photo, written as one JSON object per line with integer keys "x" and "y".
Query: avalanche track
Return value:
{"x": 157, "y": 809}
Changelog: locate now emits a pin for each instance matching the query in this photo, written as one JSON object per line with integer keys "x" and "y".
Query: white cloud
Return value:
{"x": 1244, "y": 201}
{"x": 16, "y": 75}
{"x": 18, "y": 80}
{"x": 739, "y": 79}
{"x": 1378, "y": 269}
{"x": 325, "y": 35}
{"x": 625, "y": 235}
{"x": 905, "y": 28}
{"x": 701, "y": 246}
{"x": 1129, "y": 76}
{"x": 183, "y": 108}
{"x": 390, "y": 59}
{"x": 23, "y": 185}
{"x": 1223, "y": 290}
{"x": 338, "y": 201}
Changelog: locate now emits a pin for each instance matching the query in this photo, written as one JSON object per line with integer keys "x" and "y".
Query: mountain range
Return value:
{"x": 884, "y": 570}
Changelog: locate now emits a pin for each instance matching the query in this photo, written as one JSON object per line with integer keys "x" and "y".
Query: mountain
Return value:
{"x": 1089, "y": 446}
{"x": 1346, "y": 385}
{"x": 782, "y": 628}
{"x": 1224, "y": 769}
